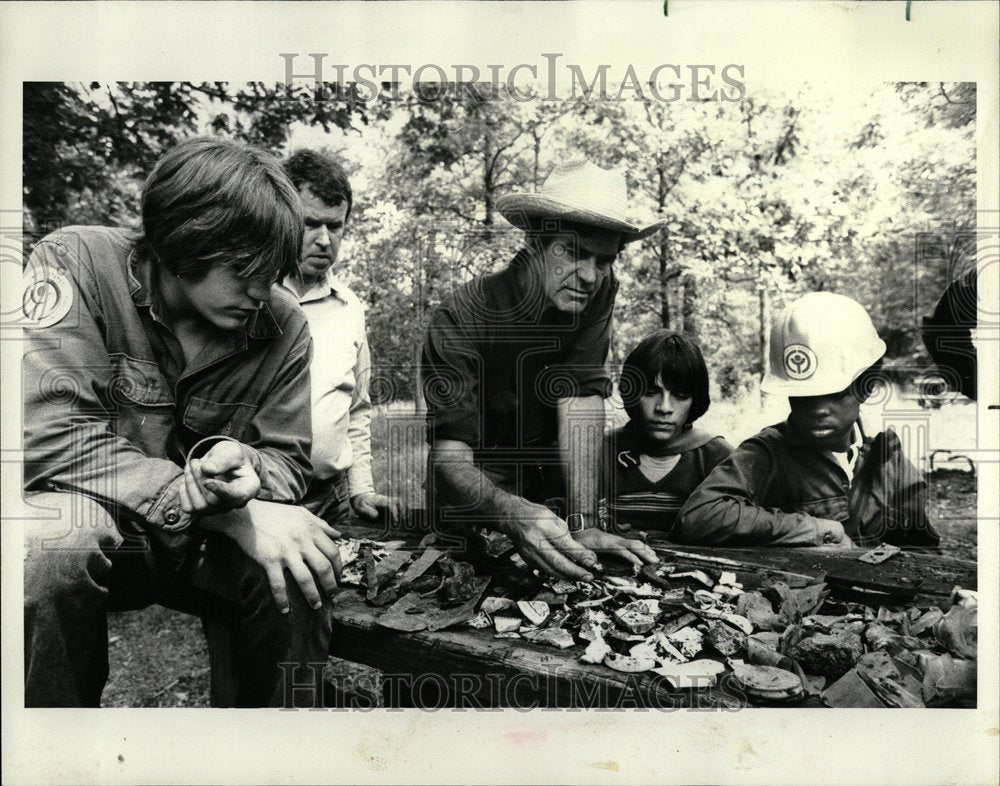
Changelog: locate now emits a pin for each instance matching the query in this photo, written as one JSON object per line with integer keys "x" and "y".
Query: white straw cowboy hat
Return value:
{"x": 580, "y": 192}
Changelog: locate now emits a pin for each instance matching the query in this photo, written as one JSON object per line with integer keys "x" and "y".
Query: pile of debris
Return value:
{"x": 781, "y": 644}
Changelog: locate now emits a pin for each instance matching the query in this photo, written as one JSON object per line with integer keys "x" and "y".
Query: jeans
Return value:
{"x": 80, "y": 564}
{"x": 330, "y": 500}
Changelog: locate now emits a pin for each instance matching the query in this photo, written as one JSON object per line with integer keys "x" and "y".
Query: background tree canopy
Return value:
{"x": 785, "y": 192}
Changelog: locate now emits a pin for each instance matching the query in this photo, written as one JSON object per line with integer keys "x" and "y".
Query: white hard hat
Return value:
{"x": 819, "y": 345}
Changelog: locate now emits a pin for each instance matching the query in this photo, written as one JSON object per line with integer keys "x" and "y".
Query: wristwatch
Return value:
{"x": 577, "y": 522}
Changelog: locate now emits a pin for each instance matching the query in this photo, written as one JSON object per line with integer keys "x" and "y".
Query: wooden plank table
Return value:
{"x": 466, "y": 667}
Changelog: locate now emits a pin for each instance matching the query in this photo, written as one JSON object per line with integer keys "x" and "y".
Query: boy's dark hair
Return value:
{"x": 673, "y": 357}
{"x": 212, "y": 200}
{"x": 325, "y": 177}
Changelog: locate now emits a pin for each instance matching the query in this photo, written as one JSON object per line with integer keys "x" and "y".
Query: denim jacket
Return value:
{"x": 772, "y": 489}
{"x": 103, "y": 417}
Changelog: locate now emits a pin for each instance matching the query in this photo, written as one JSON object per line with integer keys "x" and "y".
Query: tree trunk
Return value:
{"x": 488, "y": 184}
{"x": 419, "y": 402}
{"x": 689, "y": 306}
{"x": 664, "y": 284}
{"x": 763, "y": 326}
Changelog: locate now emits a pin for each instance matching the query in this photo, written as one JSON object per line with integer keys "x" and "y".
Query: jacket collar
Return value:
{"x": 328, "y": 285}
{"x": 142, "y": 287}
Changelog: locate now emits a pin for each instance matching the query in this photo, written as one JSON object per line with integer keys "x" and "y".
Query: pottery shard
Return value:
{"x": 534, "y": 611}
{"x": 958, "y": 631}
{"x": 628, "y": 663}
{"x": 829, "y": 654}
{"x": 634, "y": 618}
{"x": 688, "y": 641}
{"x": 596, "y": 651}
{"x": 884, "y": 678}
{"x": 726, "y": 639}
{"x": 756, "y": 608}
{"x": 553, "y": 637}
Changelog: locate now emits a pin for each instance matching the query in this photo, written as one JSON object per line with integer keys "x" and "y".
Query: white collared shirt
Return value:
{"x": 849, "y": 458}
{"x": 340, "y": 371}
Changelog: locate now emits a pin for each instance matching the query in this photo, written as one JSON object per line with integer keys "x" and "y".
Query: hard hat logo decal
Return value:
{"x": 799, "y": 361}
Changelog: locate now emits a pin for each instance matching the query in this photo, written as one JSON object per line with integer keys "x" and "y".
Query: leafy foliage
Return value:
{"x": 781, "y": 193}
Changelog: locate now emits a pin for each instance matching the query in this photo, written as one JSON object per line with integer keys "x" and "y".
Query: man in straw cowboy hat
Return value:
{"x": 816, "y": 479}
{"x": 514, "y": 375}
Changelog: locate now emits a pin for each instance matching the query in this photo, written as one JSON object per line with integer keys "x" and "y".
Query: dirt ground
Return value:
{"x": 159, "y": 658}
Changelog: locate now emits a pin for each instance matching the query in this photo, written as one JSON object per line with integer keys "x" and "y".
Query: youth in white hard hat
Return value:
{"x": 820, "y": 344}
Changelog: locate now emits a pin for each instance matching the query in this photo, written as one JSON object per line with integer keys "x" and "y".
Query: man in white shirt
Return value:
{"x": 341, "y": 365}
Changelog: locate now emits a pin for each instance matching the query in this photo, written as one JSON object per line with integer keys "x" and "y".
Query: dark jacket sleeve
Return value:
{"x": 727, "y": 507}
{"x": 67, "y": 375}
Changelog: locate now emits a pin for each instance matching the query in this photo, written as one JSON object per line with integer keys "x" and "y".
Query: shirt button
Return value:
{"x": 172, "y": 516}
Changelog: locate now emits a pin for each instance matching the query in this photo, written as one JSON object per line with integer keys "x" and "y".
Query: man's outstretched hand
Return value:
{"x": 628, "y": 549}
{"x": 289, "y": 538}
{"x": 544, "y": 541}
{"x": 369, "y": 505}
{"x": 222, "y": 480}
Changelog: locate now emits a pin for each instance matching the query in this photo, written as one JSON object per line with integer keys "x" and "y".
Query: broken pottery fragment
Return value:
{"x": 627, "y": 663}
{"x": 768, "y": 684}
{"x": 851, "y": 691}
{"x": 560, "y": 638}
{"x": 767, "y": 639}
{"x": 964, "y": 597}
{"x": 881, "y": 637}
{"x": 562, "y": 587}
{"x": 829, "y": 654}
{"x": 689, "y": 641}
{"x": 510, "y": 634}
{"x": 596, "y": 651}
{"x": 653, "y": 574}
{"x": 701, "y": 673}
{"x": 620, "y": 635}
{"x": 549, "y": 597}
{"x": 948, "y": 680}
{"x": 881, "y": 675}
{"x": 695, "y": 575}
{"x": 593, "y": 623}
{"x": 493, "y": 604}
{"x": 418, "y": 567}
{"x": 926, "y": 621}
{"x": 635, "y": 618}
{"x": 756, "y": 608}
{"x": 958, "y": 631}
{"x": 593, "y": 604}
{"x": 503, "y": 624}
{"x": 726, "y": 639}
{"x": 535, "y": 612}
{"x": 676, "y": 623}
{"x": 481, "y": 620}
{"x": 460, "y": 580}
